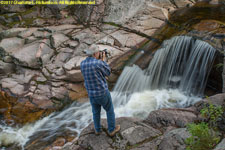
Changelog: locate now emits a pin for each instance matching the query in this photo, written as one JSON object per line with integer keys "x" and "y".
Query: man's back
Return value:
{"x": 94, "y": 72}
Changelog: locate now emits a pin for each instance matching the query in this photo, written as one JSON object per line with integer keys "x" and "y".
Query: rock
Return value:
{"x": 71, "y": 146}
{"x": 171, "y": 5}
{"x": 221, "y": 145}
{"x": 62, "y": 58}
{"x": 139, "y": 133}
{"x": 42, "y": 102}
{"x": 39, "y": 22}
{"x": 21, "y": 111}
{"x": 11, "y": 44}
{"x": 61, "y": 28}
{"x": 11, "y": 32}
{"x": 14, "y": 8}
{"x": 7, "y": 59}
{"x": 71, "y": 76}
{"x": 30, "y": 39}
{"x": 218, "y": 99}
{"x": 152, "y": 145}
{"x": 27, "y": 33}
{"x": 40, "y": 34}
{"x": 170, "y": 117}
{"x": 6, "y": 68}
{"x": 207, "y": 25}
{"x": 60, "y": 72}
{"x": 72, "y": 44}
{"x": 13, "y": 86}
{"x": 59, "y": 142}
{"x": 58, "y": 39}
{"x": 29, "y": 55}
{"x": 77, "y": 91}
{"x": 121, "y": 11}
{"x": 132, "y": 132}
{"x": 174, "y": 140}
{"x": 108, "y": 40}
{"x": 46, "y": 139}
{"x": 74, "y": 63}
{"x": 59, "y": 92}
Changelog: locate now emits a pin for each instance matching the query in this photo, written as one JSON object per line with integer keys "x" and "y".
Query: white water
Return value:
{"x": 137, "y": 92}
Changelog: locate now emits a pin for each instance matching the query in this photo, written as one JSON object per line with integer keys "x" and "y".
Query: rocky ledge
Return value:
{"x": 163, "y": 129}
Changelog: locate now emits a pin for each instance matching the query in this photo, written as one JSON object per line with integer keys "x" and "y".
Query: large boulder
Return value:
{"x": 33, "y": 55}
{"x": 164, "y": 118}
{"x": 174, "y": 140}
{"x": 11, "y": 44}
{"x": 133, "y": 132}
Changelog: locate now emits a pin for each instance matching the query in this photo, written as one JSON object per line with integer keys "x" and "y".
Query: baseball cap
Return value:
{"x": 92, "y": 49}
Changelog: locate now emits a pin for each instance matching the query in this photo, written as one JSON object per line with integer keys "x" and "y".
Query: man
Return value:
{"x": 94, "y": 70}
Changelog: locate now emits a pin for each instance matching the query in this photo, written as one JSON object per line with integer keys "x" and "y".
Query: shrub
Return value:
{"x": 202, "y": 137}
{"x": 212, "y": 114}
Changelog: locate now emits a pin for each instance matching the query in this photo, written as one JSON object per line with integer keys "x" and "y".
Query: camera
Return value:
{"x": 107, "y": 53}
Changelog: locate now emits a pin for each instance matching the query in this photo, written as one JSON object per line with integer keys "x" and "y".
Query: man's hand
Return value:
{"x": 103, "y": 57}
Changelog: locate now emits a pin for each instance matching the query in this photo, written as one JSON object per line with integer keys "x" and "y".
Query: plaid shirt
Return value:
{"x": 94, "y": 72}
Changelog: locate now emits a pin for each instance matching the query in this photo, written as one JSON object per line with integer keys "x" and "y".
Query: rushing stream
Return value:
{"x": 176, "y": 77}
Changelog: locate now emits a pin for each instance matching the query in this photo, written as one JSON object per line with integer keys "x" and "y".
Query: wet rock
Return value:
{"x": 77, "y": 91}
{"x": 58, "y": 39}
{"x": 207, "y": 25}
{"x": 11, "y": 44}
{"x": 20, "y": 111}
{"x": 221, "y": 145}
{"x": 174, "y": 140}
{"x": 171, "y": 117}
{"x": 48, "y": 140}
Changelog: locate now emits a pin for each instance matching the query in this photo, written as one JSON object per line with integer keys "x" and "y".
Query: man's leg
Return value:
{"x": 108, "y": 106}
{"x": 96, "y": 110}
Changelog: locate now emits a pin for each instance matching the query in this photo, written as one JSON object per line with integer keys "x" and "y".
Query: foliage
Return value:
{"x": 212, "y": 114}
{"x": 219, "y": 66}
{"x": 202, "y": 137}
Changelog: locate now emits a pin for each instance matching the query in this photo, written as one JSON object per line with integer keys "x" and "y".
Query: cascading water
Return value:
{"x": 176, "y": 77}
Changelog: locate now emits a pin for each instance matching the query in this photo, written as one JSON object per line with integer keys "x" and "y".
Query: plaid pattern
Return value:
{"x": 94, "y": 72}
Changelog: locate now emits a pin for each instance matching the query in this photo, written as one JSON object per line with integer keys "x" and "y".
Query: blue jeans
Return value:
{"x": 106, "y": 102}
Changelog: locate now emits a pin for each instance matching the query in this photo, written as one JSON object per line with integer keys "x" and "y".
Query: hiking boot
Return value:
{"x": 117, "y": 129}
{"x": 97, "y": 133}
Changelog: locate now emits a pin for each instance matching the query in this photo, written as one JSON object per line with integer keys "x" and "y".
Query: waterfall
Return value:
{"x": 176, "y": 77}
{"x": 181, "y": 63}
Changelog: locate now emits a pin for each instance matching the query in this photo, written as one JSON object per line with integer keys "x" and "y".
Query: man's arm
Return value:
{"x": 104, "y": 68}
